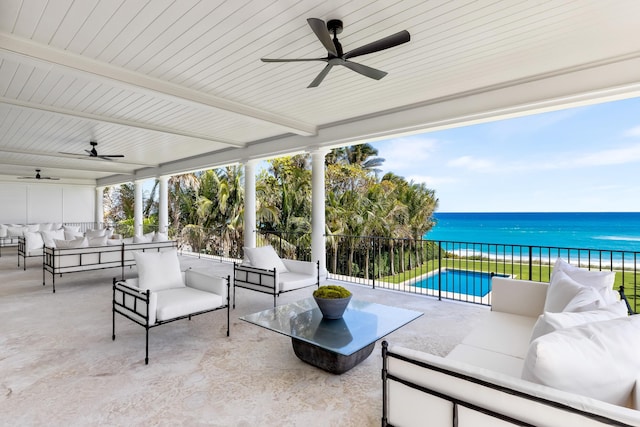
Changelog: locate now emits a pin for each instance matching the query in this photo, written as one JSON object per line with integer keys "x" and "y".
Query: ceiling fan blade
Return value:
{"x": 111, "y": 155}
{"x": 364, "y": 70}
{"x": 49, "y": 177}
{"x": 316, "y": 82}
{"x": 320, "y": 29}
{"x": 382, "y": 44}
{"x": 293, "y": 60}
{"x": 89, "y": 152}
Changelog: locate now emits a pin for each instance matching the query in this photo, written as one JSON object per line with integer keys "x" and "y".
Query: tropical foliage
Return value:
{"x": 206, "y": 211}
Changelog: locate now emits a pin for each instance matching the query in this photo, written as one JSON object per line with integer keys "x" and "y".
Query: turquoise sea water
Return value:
{"x": 617, "y": 231}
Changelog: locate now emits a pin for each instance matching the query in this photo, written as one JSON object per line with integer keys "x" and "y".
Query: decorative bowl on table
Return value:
{"x": 332, "y": 300}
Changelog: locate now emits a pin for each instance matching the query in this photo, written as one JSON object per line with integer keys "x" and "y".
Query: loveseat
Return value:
{"x": 558, "y": 354}
{"x": 264, "y": 271}
{"x": 58, "y": 261}
{"x": 162, "y": 294}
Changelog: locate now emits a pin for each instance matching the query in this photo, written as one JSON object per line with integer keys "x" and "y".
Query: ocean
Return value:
{"x": 611, "y": 231}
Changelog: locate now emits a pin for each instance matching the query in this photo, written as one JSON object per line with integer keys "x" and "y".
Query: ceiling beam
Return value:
{"x": 139, "y": 81}
{"x": 120, "y": 122}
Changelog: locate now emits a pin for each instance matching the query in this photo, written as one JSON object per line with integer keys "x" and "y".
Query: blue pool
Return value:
{"x": 467, "y": 282}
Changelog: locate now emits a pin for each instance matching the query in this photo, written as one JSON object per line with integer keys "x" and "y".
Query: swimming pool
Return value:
{"x": 476, "y": 283}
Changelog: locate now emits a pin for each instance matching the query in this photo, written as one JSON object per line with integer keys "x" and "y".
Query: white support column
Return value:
{"x": 99, "y": 214}
{"x": 250, "y": 203}
{"x": 163, "y": 205}
{"x": 137, "y": 208}
{"x": 318, "y": 246}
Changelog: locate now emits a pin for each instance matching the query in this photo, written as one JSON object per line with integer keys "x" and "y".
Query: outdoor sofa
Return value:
{"x": 59, "y": 261}
{"x": 546, "y": 355}
{"x": 162, "y": 293}
{"x": 264, "y": 271}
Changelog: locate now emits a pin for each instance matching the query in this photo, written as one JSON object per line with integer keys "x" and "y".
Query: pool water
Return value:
{"x": 467, "y": 282}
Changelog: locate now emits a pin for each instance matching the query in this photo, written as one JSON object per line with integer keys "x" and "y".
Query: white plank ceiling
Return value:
{"x": 179, "y": 85}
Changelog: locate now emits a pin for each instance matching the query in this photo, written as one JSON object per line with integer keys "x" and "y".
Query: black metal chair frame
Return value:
{"x": 143, "y": 298}
{"x": 264, "y": 279}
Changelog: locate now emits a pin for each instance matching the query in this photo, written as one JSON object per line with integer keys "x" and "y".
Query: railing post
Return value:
{"x": 373, "y": 263}
{"x": 530, "y": 263}
{"x": 439, "y": 271}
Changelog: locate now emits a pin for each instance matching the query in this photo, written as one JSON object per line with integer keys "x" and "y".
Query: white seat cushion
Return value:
{"x": 502, "y": 333}
{"x": 174, "y": 303}
{"x": 289, "y": 281}
{"x": 487, "y": 359}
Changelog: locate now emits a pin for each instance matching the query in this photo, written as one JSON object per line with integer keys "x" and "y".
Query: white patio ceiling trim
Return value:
{"x": 178, "y": 86}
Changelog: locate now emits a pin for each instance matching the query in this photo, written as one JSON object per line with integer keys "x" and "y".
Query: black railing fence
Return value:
{"x": 446, "y": 269}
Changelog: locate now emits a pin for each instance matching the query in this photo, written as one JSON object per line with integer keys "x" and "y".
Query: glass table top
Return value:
{"x": 362, "y": 324}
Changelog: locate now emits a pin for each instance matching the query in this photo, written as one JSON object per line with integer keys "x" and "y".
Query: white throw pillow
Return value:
{"x": 45, "y": 227}
{"x": 160, "y": 237}
{"x": 72, "y": 228}
{"x": 16, "y": 231}
{"x": 33, "y": 228}
{"x": 94, "y": 233}
{"x": 598, "y": 359}
{"x": 33, "y": 241}
{"x": 78, "y": 242}
{"x": 602, "y": 281}
{"x": 158, "y": 270}
{"x": 568, "y": 319}
{"x": 265, "y": 257}
{"x": 114, "y": 242}
{"x": 50, "y": 236}
{"x": 141, "y": 239}
{"x": 70, "y": 235}
{"x": 98, "y": 241}
{"x": 561, "y": 291}
{"x": 4, "y": 232}
{"x": 586, "y": 299}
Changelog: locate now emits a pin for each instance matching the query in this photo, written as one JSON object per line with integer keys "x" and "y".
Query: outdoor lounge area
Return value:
{"x": 60, "y": 367}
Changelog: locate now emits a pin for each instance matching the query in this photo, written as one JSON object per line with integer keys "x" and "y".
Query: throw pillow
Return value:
{"x": 596, "y": 359}
{"x": 586, "y": 299}
{"x": 158, "y": 270}
{"x": 561, "y": 291}
{"x": 568, "y": 319}
{"x": 3, "y": 231}
{"x": 15, "y": 231}
{"x": 33, "y": 241}
{"x": 78, "y": 242}
{"x": 265, "y": 257}
{"x": 71, "y": 228}
{"x": 70, "y": 235}
{"x": 94, "y": 233}
{"x": 98, "y": 241}
{"x": 602, "y": 281}
{"x": 50, "y": 236}
{"x": 33, "y": 228}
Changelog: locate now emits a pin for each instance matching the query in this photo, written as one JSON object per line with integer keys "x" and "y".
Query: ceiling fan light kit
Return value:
{"x": 336, "y": 56}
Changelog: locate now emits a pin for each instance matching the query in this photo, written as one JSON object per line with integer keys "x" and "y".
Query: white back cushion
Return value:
{"x": 50, "y": 236}
{"x": 33, "y": 240}
{"x": 94, "y": 233}
{"x": 158, "y": 270}
{"x": 265, "y": 257}
{"x": 598, "y": 359}
{"x": 602, "y": 281}
{"x": 98, "y": 241}
{"x": 78, "y": 242}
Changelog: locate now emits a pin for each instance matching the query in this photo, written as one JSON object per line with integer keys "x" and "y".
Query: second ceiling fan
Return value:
{"x": 335, "y": 55}
{"x": 93, "y": 153}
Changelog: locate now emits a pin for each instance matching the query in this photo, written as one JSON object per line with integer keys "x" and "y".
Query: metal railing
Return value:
{"x": 453, "y": 270}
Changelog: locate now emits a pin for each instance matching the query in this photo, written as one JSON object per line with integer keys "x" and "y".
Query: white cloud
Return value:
{"x": 614, "y": 156}
{"x": 401, "y": 153}
{"x": 633, "y": 132}
{"x": 432, "y": 181}
{"x": 471, "y": 163}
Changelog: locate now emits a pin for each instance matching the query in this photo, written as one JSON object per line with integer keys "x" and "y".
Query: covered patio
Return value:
{"x": 60, "y": 367}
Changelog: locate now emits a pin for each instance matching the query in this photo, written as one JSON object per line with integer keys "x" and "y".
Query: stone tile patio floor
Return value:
{"x": 59, "y": 366}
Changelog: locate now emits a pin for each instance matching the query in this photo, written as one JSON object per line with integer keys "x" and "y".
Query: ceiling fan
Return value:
{"x": 335, "y": 55}
{"x": 93, "y": 153}
{"x": 38, "y": 176}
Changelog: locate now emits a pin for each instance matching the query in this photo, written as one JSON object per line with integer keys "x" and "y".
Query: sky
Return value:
{"x": 584, "y": 159}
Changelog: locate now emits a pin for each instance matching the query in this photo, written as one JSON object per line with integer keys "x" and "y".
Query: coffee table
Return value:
{"x": 333, "y": 345}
